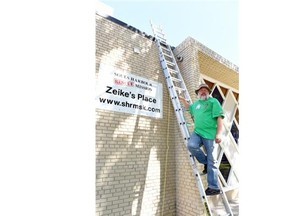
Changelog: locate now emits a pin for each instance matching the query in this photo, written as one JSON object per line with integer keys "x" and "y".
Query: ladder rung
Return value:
{"x": 161, "y": 38}
{"x": 173, "y": 71}
{"x": 170, "y": 63}
{"x": 179, "y": 89}
{"x": 167, "y": 55}
{"x": 164, "y": 48}
{"x": 159, "y": 31}
{"x": 176, "y": 79}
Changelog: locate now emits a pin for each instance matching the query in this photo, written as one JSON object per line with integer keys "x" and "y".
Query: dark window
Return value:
{"x": 216, "y": 94}
{"x": 235, "y": 132}
{"x": 225, "y": 167}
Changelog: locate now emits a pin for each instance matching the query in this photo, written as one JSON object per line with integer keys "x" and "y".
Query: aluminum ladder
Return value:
{"x": 175, "y": 84}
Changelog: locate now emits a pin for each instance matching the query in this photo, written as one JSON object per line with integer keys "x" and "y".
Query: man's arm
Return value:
{"x": 184, "y": 102}
{"x": 219, "y": 129}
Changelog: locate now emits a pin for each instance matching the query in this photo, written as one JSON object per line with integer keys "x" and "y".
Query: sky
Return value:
{"x": 212, "y": 23}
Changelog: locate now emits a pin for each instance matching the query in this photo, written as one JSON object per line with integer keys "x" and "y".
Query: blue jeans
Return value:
{"x": 194, "y": 144}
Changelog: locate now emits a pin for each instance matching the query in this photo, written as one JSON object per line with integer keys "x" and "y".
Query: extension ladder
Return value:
{"x": 176, "y": 85}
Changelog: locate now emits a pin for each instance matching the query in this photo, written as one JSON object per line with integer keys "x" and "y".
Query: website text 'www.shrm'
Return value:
{"x": 130, "y": 105}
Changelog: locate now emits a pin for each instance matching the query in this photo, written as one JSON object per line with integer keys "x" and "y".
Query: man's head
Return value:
{"x": 203, "y": 91}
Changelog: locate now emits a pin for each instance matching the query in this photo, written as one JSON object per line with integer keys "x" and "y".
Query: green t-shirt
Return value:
{"x": 205, "y": 114}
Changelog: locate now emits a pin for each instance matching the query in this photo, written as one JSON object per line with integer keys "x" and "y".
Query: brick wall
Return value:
{"x": 135, "y": 155}
{"x": 142, "y": 165}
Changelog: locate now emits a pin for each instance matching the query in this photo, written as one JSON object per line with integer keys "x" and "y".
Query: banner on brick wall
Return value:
{"x": 122, "y": 91}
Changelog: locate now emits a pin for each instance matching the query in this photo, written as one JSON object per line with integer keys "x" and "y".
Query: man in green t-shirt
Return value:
{"x": 207, "y": 115}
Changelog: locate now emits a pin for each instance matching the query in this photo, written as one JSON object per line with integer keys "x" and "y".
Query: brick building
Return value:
{"x": 142, "y": 166}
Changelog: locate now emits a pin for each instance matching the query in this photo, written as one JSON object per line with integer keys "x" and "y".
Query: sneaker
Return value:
{"x": 204, "y": 170}
{"x": 211, "y": 192}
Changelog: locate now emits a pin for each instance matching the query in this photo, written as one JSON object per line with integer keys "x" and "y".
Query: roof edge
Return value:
{"x": 125, "y": 25}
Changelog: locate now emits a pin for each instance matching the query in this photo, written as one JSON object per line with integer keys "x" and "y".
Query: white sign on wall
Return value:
{"x": 121, "y": 91}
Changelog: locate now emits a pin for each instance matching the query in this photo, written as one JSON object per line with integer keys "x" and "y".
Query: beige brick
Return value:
{"x": 125, "y": 143}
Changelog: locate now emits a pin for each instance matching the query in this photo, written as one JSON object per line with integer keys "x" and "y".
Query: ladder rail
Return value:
{"x": 183, "y": 127}
{"x": 179, "y": 112}
{"x": 225, "y": 200}
{"x": 186, "y": 94}
{"x": 172, "y": 91}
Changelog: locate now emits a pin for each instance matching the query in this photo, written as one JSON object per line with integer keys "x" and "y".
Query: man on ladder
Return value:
{"x": 207, "y": 115}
